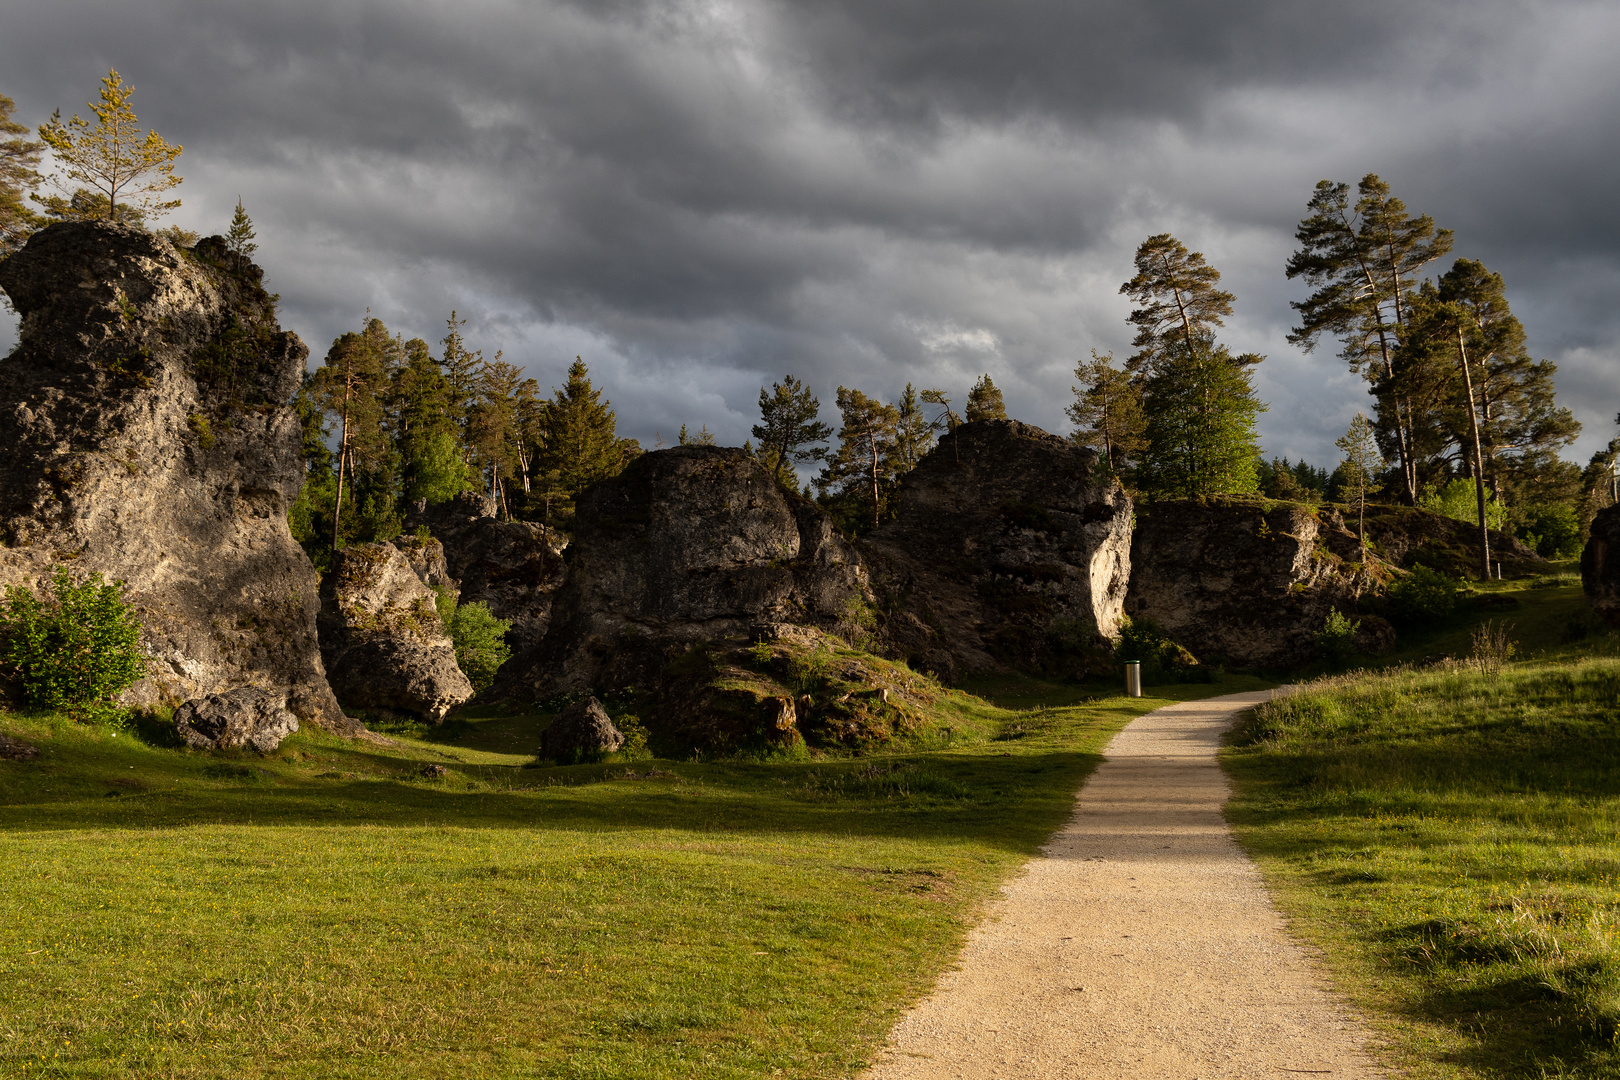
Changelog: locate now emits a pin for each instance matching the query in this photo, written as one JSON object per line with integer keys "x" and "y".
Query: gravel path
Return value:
{"x": 1141, "y": 944}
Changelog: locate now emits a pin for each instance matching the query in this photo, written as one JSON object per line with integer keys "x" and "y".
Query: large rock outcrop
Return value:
{"x": 384, "y": 645}
{"x": 1248, "y": 583}
{"x": 1009, "y": 548}
{"x": 513, "y": 567}
{"x": 244, "y": 717}
{"x": 147, "y": 434}
{"x": 688, "y": 545}
{"x": 1600, "y": 565}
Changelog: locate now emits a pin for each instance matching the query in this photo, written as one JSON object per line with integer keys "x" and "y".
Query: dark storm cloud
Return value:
{"x": 696, "y": 196}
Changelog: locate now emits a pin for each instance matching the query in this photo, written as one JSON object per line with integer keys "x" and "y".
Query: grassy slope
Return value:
{"x": 1450, "y": 839}
{"x": 326, "y": 912}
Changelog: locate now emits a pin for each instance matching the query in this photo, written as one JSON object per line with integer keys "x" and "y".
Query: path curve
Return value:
{"x": 1141, "y": 944}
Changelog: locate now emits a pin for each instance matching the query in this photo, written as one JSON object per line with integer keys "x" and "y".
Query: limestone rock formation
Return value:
{"x": 147, "y": 434}
{"x": 245, "y": 716}
{"x": 687, "y": 545}
{"x": 384, "y": 645}
{"x": 581, "y": 731}
{"x": 1600, "y": 565}
{"x": 1405, "y": 536}
{"x": 1009, "y": 548}
{"x": 1248, "y": 583}
{"x": 513, "y": 567}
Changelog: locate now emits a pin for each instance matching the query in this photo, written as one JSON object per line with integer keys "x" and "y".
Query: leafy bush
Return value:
{"x": 1336, "y": 641}
{"x": 1422, "y": 596}
{"x": 1162, "y": 660}
{"x": 1553, "y": 531}
{"x": 1459, "y": 501}
{"x": 78, "y": 649}
{"x": 480, "y": 640}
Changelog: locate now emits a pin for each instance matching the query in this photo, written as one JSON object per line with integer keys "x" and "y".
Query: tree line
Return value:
{"x": 1458, "y": 402}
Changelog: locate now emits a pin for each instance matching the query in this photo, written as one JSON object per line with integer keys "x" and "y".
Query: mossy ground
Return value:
{"x": 328, "y": 911}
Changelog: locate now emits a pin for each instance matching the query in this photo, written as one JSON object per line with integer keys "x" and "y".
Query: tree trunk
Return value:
{"x": 1479, "y": 470}
{"x": 343, "y": 454}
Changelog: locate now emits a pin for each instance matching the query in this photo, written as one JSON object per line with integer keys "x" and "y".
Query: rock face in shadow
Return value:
{"x": 1248, "y": 583}
{"x": 147, "y": 434}
{"x": 688, "y": 545}
{"x": 513, "y": 567}
{"x": 1600, "y": 565}
{"x": 1009, "y": 548}
{"x": 381, "y": 637}
{"x": 245, "y": 716}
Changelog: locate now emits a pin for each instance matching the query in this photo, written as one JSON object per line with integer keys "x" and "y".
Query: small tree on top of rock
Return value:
{"x": 112, "y": 159}
{"x": 241, "y": 236}
{"x": 864, "y": 460}
{"x": 788, "y": 428}
{"x": 1107, "y": 411}
{"x": 984, "y": 401}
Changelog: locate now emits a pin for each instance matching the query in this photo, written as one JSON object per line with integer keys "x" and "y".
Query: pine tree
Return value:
{"x": 1107, "y": 411}
{"x": 702, "y": 437}
{"x": 1363, "y": 262}
{"x": 913, "y": 434}
{"x": 492, "y": 428}
{"x": 462, "y": 369}
{"x": 351, "y": 387}
{"x": 1180, "y": 303}
{"x": 112, "y": 158}
{"x": 1362, "y": 462}
{"x": 433, "y": 462}
{"x": 947, "y": 418}
{"x": 19, "y": 169}
{"x": 1199, "y": 407}
{"x": 984, "y": 401}
{"x": 788, "y": 429}
{"x": 865, "y": 451}
{"x": 241, "y": 236}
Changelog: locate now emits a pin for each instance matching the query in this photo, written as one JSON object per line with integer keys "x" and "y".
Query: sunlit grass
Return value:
{"x": 330, "y": 912}
{"x": 1452, "y": 840}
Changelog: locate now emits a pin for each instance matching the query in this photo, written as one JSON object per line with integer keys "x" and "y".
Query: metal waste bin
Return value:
{"x": 1133, "y": 678}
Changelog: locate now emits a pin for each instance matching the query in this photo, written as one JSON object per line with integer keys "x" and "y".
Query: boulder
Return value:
{"x": 381, "y": 637}
{"x": 581, "y": 731}
{"x": 513, "y": 567}
{"x": 244, "y": 716}
{"x": 148, "y": 436}
{"x": 1009, "y": 548}
{"x": 687, "y": 545}
{"x": 17, "y": 750}
{"x": 1249, "y": 582}
{"x": 1600, "y": 565}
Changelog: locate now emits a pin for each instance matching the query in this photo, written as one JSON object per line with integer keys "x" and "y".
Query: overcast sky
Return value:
{"x": 699, "y": 197}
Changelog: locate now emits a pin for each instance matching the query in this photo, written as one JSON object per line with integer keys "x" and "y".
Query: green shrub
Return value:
{"x": 77, "y": 650}
{"x": 1553, "y": 531}
{"x": 1458, "y": 500}
{"x": 1162, "y": 660}
{"x": 480, "y": 640}
{"x": 1336, "y": 641}
{"x": 1422, "y": 596}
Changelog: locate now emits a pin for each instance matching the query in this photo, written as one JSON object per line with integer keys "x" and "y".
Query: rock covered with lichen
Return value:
{"x": 384, "y": 644}
{"x": 148, "y": 435}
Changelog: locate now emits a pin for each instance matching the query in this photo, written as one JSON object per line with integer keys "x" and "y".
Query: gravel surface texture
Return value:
{"x": 1141, "y": 944}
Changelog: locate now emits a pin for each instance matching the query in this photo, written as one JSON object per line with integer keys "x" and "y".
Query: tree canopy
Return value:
{"x": 123, "y": 171}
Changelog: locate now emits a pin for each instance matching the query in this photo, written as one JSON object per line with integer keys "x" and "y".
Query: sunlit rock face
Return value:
{"x": 148, "y": 435}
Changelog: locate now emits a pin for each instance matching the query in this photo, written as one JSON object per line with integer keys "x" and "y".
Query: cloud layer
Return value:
{"x": 698, "y": 197}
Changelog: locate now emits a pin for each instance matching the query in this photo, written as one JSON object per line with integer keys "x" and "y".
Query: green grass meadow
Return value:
{"x": 1450, "y": 838}
{"x": 330, "y": 912}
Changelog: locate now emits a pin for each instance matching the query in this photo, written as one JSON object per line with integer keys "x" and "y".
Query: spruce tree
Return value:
{"x": 1107, "y": 411}
{"x": 462, "y": 369}
{"x": 984, "y": 401}
{"x": 240, "y": 237}
{"x": 581, "y": 443}
{"x": 1200, "y": 408}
